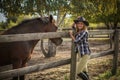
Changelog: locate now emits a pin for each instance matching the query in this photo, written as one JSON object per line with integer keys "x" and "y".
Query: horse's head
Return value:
{"x": 51, "y": 27}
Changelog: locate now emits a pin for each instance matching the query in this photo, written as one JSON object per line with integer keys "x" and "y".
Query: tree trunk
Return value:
{"x": 115, "y": 25}
{"x": 51, "y": 49}
{"x": 62, "y": 19}
{"x": 58, "y": 17}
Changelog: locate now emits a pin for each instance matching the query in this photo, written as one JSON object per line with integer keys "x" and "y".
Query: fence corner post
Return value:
{"x": 116, "y": 51}
{"x": 73, "y": 62}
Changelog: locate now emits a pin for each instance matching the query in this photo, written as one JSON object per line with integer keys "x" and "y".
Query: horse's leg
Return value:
{"x": 24, "y": 63}
{"x": 16, "y": 64}
{"x": 23, "y": 76}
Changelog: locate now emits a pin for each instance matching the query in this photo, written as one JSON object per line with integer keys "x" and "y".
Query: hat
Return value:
{"x": 82, "y": 19}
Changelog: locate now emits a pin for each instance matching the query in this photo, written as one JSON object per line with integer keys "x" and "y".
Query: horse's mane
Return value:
{"x": 43, "y": 20}
{"x": 27, "y": 21}
{"x": 40, "y": 19}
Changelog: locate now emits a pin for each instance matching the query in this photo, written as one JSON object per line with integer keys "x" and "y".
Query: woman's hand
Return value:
{"x": 71, "y": 35}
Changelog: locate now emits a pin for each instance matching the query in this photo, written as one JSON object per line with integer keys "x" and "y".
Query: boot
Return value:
{"x": 86, "y": 74}
{"x": 83, "y": 76}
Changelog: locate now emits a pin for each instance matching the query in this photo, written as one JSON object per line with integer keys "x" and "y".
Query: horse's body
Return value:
{"x": 18, "y": 53}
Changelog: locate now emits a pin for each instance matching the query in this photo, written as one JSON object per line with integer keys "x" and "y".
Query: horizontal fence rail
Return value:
{"x": 31, "y": 36}
{"x": 36, "y": 36}
{"x": 100, "y": 32}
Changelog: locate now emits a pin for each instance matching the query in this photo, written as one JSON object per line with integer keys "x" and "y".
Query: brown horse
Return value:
{"x": 18, "y": 53}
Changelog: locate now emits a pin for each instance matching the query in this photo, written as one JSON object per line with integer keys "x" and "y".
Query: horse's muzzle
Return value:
{"x": 57, "y": 41}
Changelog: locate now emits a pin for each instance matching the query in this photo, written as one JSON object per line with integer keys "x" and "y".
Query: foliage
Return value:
{"x": 14, "y": 8}
{"x": 82, "y": 8}
{"x": 11, "y": 23}
{"x": 43, "y": 7}
{"x": 67, "y": 22}
{"x": 3, "y": 25}
{"x": 106, "y": 11}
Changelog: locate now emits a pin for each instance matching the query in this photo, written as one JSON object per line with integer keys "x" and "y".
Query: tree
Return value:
{"x": 106, "y": 11}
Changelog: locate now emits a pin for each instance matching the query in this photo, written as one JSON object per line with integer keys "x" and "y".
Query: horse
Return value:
{"x": 19, "y": 53}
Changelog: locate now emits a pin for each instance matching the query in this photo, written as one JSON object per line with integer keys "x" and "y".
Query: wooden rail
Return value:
{"x": 31, "y": 36}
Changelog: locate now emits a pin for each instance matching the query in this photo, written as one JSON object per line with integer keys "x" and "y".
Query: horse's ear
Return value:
{"x": 51, "y": 18}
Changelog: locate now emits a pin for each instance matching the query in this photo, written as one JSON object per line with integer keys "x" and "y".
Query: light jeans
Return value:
{"x": 82, "y": 63}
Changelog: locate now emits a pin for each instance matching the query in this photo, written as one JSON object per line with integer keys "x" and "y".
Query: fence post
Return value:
{"x": 73, "y": 61}
{"x": 116, "y": 51}
{"x": 111, "y": 41}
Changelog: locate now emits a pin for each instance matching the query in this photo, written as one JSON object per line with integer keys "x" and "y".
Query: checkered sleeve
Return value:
{"x": 80, "y": 37}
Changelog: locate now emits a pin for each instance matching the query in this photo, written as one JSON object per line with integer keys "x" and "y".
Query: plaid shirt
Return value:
{"x": 81, "y": 41}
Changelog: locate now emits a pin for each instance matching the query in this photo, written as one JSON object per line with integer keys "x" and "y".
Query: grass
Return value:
{"x": 108, "y": 75}
{"x": 66, "y": 78}
{"x": 105, "y": 75}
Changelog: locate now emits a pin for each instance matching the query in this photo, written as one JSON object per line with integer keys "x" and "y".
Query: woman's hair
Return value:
{"x": 84, "y": 28}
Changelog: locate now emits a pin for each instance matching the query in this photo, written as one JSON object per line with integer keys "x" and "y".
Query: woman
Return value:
{"x": 82, "y": 46}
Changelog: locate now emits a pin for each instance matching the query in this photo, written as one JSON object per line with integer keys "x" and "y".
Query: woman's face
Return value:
{"x": 80, "y": 25}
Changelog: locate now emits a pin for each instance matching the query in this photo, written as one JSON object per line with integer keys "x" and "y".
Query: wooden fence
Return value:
{"x": 38, "y": 67}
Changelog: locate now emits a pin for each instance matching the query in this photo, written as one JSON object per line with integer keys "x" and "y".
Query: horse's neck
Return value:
{"x": 33, "y": 44}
